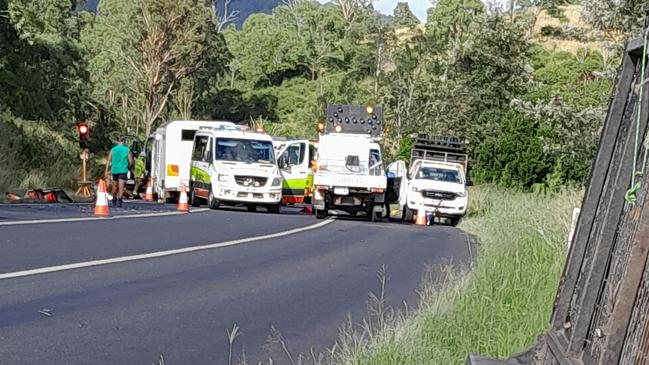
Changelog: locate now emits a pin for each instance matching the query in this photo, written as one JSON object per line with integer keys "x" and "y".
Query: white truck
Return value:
{"x": 232, "y": 165}
{"x": 350, "y": 177}
{"x": 436, "y": 181}
{"x": 169, "y": 151}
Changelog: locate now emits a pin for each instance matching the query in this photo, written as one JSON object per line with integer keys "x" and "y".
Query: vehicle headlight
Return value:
{"x": 277, "y": 181}
{"x": 223, "y": 177}
{"x": 461, "y": 194}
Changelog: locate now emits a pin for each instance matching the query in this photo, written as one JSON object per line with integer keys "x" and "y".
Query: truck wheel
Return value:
{"x": 376, "y": 216}
{"x": 454, "y": 221}
{"x": 408, "y": 214}
{"x": 321, "y": 213}
{"x": 211, "y": 201}
{"x": 274, "y": 209}
{"x": 251, "y": 207}
{"x": 193, "y": 200}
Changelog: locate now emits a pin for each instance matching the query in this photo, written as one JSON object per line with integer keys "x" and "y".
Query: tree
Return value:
{"x": 403, "y": 17}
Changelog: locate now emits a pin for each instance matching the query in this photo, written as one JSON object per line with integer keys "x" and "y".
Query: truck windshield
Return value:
{"x": 439, "y": 174}
{"x": 242, "y": 150}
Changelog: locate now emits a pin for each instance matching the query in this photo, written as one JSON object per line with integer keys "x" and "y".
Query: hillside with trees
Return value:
{"x": 530, "y": 113}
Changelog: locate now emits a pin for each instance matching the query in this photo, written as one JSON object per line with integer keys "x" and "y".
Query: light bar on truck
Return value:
{"x": 354, "y": 119}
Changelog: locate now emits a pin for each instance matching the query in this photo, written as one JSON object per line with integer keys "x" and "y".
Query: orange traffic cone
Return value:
{"x": 182, "y": 202}
{"x": 101, "y": 206}
{"x": 420, "y": 219}
{"x": 149, "y": 191}
{"x": 308, "y": 209}
{"x": 12, "y": 197}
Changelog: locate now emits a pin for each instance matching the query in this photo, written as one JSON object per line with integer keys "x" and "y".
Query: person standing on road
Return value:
{"x": 140, "y": 171}
{"x": 119, "y": 160}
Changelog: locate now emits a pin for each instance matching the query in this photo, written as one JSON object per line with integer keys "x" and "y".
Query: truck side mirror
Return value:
{"x": 282, "y": 162}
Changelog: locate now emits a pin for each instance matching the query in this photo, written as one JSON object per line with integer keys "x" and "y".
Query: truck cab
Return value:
{"x": 350, "y": 176}
{"x": 436, "y": 180}
{"x": 295, "y": 159}
{"x": 232, "y": 165}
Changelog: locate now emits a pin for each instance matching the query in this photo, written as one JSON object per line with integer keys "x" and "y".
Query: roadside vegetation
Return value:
{"x": 530, "y": 110}
{"x": 496, "y": 308}
{"x": 503, "y": 303}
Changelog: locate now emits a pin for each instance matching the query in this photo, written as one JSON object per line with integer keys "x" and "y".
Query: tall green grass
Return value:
{"x": 496, "y": 309}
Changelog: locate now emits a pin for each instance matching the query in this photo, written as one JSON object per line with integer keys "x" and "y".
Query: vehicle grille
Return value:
{"x": 442, "y": 195}
{"x": 251, "y": 181}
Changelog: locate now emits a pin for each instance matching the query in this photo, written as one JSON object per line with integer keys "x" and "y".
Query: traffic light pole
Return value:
{"x": 84, "y": 184}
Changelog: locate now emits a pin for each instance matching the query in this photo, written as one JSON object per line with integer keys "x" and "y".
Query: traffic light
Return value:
{"x": 84, "y": 130}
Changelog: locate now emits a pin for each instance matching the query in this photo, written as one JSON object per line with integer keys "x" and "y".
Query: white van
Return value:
{"x": 233, "y": 165}
{"x": 169, "y": 151}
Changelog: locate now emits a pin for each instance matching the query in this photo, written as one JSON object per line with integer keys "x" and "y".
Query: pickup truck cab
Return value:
{"x": 438, "y": 188}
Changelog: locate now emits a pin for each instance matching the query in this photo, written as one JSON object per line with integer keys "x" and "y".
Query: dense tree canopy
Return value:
{"x": 472, "y": 72}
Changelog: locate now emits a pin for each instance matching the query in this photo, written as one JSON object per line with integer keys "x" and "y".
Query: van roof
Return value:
{"x": 234, "y": 133}
{"x": 195, "y": 123}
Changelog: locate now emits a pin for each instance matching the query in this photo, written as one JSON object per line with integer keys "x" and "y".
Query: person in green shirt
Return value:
{"x": 139, "y": 172}
{"x": 119, "y": 160}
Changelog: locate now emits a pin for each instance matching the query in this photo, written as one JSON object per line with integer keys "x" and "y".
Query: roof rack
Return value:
{"x": 444, "y": 143}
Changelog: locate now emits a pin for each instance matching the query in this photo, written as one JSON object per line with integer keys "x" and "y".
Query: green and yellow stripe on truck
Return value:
{"x": 295, "y": 190}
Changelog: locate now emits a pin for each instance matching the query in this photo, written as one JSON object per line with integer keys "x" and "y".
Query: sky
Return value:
{"x": 387, "y": 6}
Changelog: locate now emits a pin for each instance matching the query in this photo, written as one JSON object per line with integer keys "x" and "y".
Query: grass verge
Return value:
{"x": 498, "y": 308}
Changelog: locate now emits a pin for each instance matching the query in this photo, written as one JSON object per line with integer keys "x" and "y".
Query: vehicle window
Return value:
{"x": 187, "y": 135}
{"x": 241, "y": 150}
{"x": 439, "y": 174}
{"x": 312, "y": 155}
{"x": 294, "y": 154}
{"x": 200, "y": 148}
{"x": 375, "y": 163}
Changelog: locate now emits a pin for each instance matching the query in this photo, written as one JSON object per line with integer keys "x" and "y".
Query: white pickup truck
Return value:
{"x": 350, "y": 177}
{"x": 436, "y": 182}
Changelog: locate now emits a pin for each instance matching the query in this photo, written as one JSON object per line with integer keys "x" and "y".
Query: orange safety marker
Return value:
{"x": 12, "y": 197}
{"x": 308, "y": 209}
{"x": 420, "y": 219}
{"x": 149, "y": 191}
{"x": 101, "y": 206}
{"x": 183, "y": 206}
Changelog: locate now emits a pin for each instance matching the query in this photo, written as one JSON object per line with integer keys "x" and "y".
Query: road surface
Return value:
{"x": 126, "y": 291}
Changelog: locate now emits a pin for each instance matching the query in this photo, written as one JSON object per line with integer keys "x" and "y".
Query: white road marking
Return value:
{"x": 86, "y": 219}
{"x": 152, "y": 255}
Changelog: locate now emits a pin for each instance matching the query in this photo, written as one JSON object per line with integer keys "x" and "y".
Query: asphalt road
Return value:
{"x": 303, "y": 284}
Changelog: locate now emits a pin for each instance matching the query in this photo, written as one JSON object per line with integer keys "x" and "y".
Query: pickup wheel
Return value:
{"x": 454, "y": 221}
{"x": 321, "y": 213}
{"x": 407, "y": 214}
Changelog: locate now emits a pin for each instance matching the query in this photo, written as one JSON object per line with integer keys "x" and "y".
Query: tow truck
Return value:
{"x": 349, "y": 174}
{"x": 436, "y": 183}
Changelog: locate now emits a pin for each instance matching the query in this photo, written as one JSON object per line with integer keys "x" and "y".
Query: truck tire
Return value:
{"x": 211, "y": 201}
{"x": 321, "y": 213}
{"x": 376, "y": 217}
{"x": 193, "y": 200}
{"x": 251, "y": 207}
{"x": 273, "y": 209}
{"x": 454, "y": 221}
{"x": 407, "y": 214}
